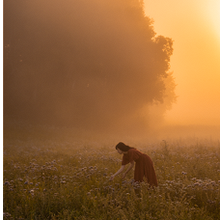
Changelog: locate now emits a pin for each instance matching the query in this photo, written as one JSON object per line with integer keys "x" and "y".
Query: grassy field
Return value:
{"x": 55, "y": 178}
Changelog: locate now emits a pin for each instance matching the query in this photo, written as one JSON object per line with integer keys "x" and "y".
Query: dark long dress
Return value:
{"x": 143, "y": 166}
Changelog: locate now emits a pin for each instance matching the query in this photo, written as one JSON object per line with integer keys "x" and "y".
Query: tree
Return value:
{"x": 83, "y": 63}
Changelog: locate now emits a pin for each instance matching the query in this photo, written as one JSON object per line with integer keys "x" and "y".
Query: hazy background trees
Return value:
{"x": 85, "y": 64}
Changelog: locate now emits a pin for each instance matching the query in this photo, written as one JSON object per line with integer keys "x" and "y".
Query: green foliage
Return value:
{"x": 66, "y": 180}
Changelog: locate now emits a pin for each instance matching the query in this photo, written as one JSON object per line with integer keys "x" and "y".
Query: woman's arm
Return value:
{"x": 129, "y": 168}
{"x": 118, "y": 172}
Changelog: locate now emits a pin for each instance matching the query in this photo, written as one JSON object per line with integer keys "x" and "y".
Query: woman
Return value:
{"x": 143, "y": 167}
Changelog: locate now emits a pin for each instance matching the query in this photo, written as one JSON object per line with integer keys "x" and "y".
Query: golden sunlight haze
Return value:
{"x": 194, "y": 26}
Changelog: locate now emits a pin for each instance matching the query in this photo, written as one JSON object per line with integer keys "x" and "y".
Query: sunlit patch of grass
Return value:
{"x": 63, "y": 180}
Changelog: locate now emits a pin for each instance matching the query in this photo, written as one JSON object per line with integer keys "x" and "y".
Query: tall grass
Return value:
{"x": 59, "y": 179}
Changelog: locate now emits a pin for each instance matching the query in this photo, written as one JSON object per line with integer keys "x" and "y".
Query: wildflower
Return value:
{"x": 7, "y": 183}
{"x": 197, "y": 184}
{"x": 211, "y": 202}
{"x": 26, "y": 182}
{"x": 6, "y": 215}
{"x": 31, "y": 192}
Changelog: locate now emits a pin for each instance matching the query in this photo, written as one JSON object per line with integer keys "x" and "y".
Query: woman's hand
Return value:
{"x": 112, "y": 177}
{"x": 118, "y": 172}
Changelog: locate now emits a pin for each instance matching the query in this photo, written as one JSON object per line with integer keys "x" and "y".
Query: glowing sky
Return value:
{"x": 195, "y": 28}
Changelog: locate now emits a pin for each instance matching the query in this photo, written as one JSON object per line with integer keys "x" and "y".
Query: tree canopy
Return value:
{"x": 88, "y": 64}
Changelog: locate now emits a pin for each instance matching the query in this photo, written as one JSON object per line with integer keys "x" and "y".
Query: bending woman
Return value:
{"x": 143, "y": 164}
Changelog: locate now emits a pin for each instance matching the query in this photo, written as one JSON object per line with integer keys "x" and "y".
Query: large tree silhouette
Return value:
{"x": 88, "y": 64}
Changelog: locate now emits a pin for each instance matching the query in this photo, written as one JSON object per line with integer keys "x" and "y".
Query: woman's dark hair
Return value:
{"x": 123, "y": 147}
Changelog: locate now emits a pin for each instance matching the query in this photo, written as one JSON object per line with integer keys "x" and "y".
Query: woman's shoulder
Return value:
{"x": 134, "y": 150}
{"x": 131, "y": 150}
{"x": 134, "y": 154}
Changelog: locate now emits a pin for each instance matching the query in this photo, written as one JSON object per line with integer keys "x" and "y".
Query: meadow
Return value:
{"x": 47, "y": 177}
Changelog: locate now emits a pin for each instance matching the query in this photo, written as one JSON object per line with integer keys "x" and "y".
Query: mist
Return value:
{"x": 94, "y": 65}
